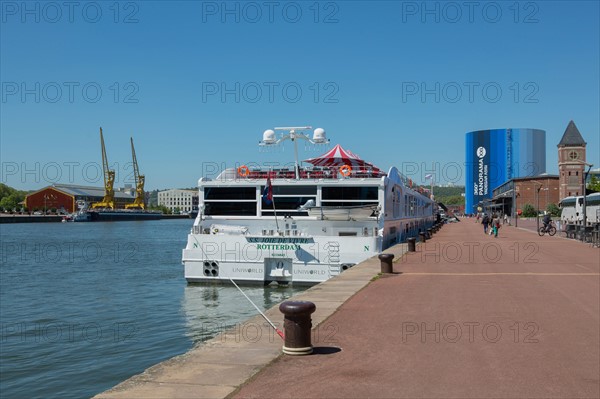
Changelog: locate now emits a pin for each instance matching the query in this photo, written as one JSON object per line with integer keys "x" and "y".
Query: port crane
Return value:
{"x": 139, "y": 201}
{"x": 109, "y": 180}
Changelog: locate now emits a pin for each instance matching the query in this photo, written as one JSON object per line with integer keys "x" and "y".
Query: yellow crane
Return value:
{"x": 140, "y": 196}
{"x": 109, "y": 180}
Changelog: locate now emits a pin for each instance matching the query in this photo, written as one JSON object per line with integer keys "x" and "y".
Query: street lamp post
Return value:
{"x": 538, "y": 208}
{"x": 514, "y": 203}
{"x": 585, "y": 175}
{"x": 537, "y": 195}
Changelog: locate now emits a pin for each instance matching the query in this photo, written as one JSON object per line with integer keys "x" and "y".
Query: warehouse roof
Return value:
{"x": 85, "y": 191}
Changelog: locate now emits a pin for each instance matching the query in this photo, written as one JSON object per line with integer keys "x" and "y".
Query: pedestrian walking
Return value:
{"x": 485, "y": 221}
{"x": 496, "y": 226}
{"x": 505, "y": 219}
{"x": 492, "y": 224}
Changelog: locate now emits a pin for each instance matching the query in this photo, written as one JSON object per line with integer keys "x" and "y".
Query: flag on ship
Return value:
{"x": 268, "y": 192}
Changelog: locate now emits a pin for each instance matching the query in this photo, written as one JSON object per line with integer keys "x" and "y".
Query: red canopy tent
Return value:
{"x": 338, "y": 156}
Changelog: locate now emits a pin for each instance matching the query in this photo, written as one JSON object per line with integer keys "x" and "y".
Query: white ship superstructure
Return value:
{"x": 303, "y": 225}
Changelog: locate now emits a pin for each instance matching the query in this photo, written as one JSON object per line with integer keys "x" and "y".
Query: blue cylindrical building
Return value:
{"x": 496, "y": 156}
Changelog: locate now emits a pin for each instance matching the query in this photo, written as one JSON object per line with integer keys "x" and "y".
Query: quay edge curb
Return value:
{"x": 219, "y": 367}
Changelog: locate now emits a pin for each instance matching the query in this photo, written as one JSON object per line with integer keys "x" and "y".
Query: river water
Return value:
{"x": 84, "y": 306}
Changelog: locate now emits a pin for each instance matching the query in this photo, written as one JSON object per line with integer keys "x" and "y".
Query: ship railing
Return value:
{"x": 316, "y": 173}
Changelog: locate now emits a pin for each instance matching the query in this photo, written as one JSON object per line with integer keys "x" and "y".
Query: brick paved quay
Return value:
{"x": 470, "y": 316}
{"x": 466, "y": 316}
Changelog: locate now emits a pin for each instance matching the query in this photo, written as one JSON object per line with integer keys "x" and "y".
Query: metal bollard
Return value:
{"x": 412, "y": 246}
{"x": 429, "y": 233}
{"x": 386, "y": 263}
{"x": 297, "y": 325}
{"x": 422, "y": 237}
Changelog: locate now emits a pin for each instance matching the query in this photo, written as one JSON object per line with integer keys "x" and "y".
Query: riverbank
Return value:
{"x": 6, "y": 218}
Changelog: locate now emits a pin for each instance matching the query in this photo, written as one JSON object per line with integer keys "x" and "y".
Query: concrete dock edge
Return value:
{"x": 220, "y": 366}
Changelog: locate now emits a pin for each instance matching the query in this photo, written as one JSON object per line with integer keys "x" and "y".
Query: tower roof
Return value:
{"x": 571, "y": 137}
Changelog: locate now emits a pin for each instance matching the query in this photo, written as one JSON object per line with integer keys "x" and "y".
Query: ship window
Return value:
{"x": 347, "y": 233}
{"x": 292, "y": 190}
{"x": 230, "y": 208}
{"x": 289, "y": 202}
{"x": 230, "y": 193}
{"x": 349, "y": 193}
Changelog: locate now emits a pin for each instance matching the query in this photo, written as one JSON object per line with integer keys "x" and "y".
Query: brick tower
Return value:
{"x": 571, "y": 162}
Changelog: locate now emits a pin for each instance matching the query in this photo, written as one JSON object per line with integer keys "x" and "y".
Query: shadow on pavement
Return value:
{"x": 325, "y": 350}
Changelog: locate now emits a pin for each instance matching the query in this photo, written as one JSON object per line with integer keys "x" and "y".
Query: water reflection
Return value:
{"x": 211, "y": 309}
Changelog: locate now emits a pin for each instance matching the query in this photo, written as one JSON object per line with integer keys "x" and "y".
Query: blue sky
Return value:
{"x": 196, "y": 83}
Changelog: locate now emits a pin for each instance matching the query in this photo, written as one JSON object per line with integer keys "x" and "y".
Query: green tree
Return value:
{"x": 594, "y": 184}
{"x": 10, "y": 202}
{"x": 529, "y": 211}
{"x": 439, "y": 191}
{"x": 451, "y": 200}
{"x": 10, "y": 198}
{"x": 553, "y": 210}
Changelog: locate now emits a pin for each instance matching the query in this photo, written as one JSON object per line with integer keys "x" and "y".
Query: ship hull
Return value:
{"x": 283, "y": 259}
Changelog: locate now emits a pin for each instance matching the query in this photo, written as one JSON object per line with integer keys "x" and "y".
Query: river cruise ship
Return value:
{"x": 301, "y": 225}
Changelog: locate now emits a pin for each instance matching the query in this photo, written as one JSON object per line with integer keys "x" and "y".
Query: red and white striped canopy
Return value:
{"x": 338, "y": 156}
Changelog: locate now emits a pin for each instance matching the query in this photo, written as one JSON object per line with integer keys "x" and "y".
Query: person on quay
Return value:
{"x": 485, "y": 221}
{"x": 496, "y": 226}
{"x": 547, "y": 219}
